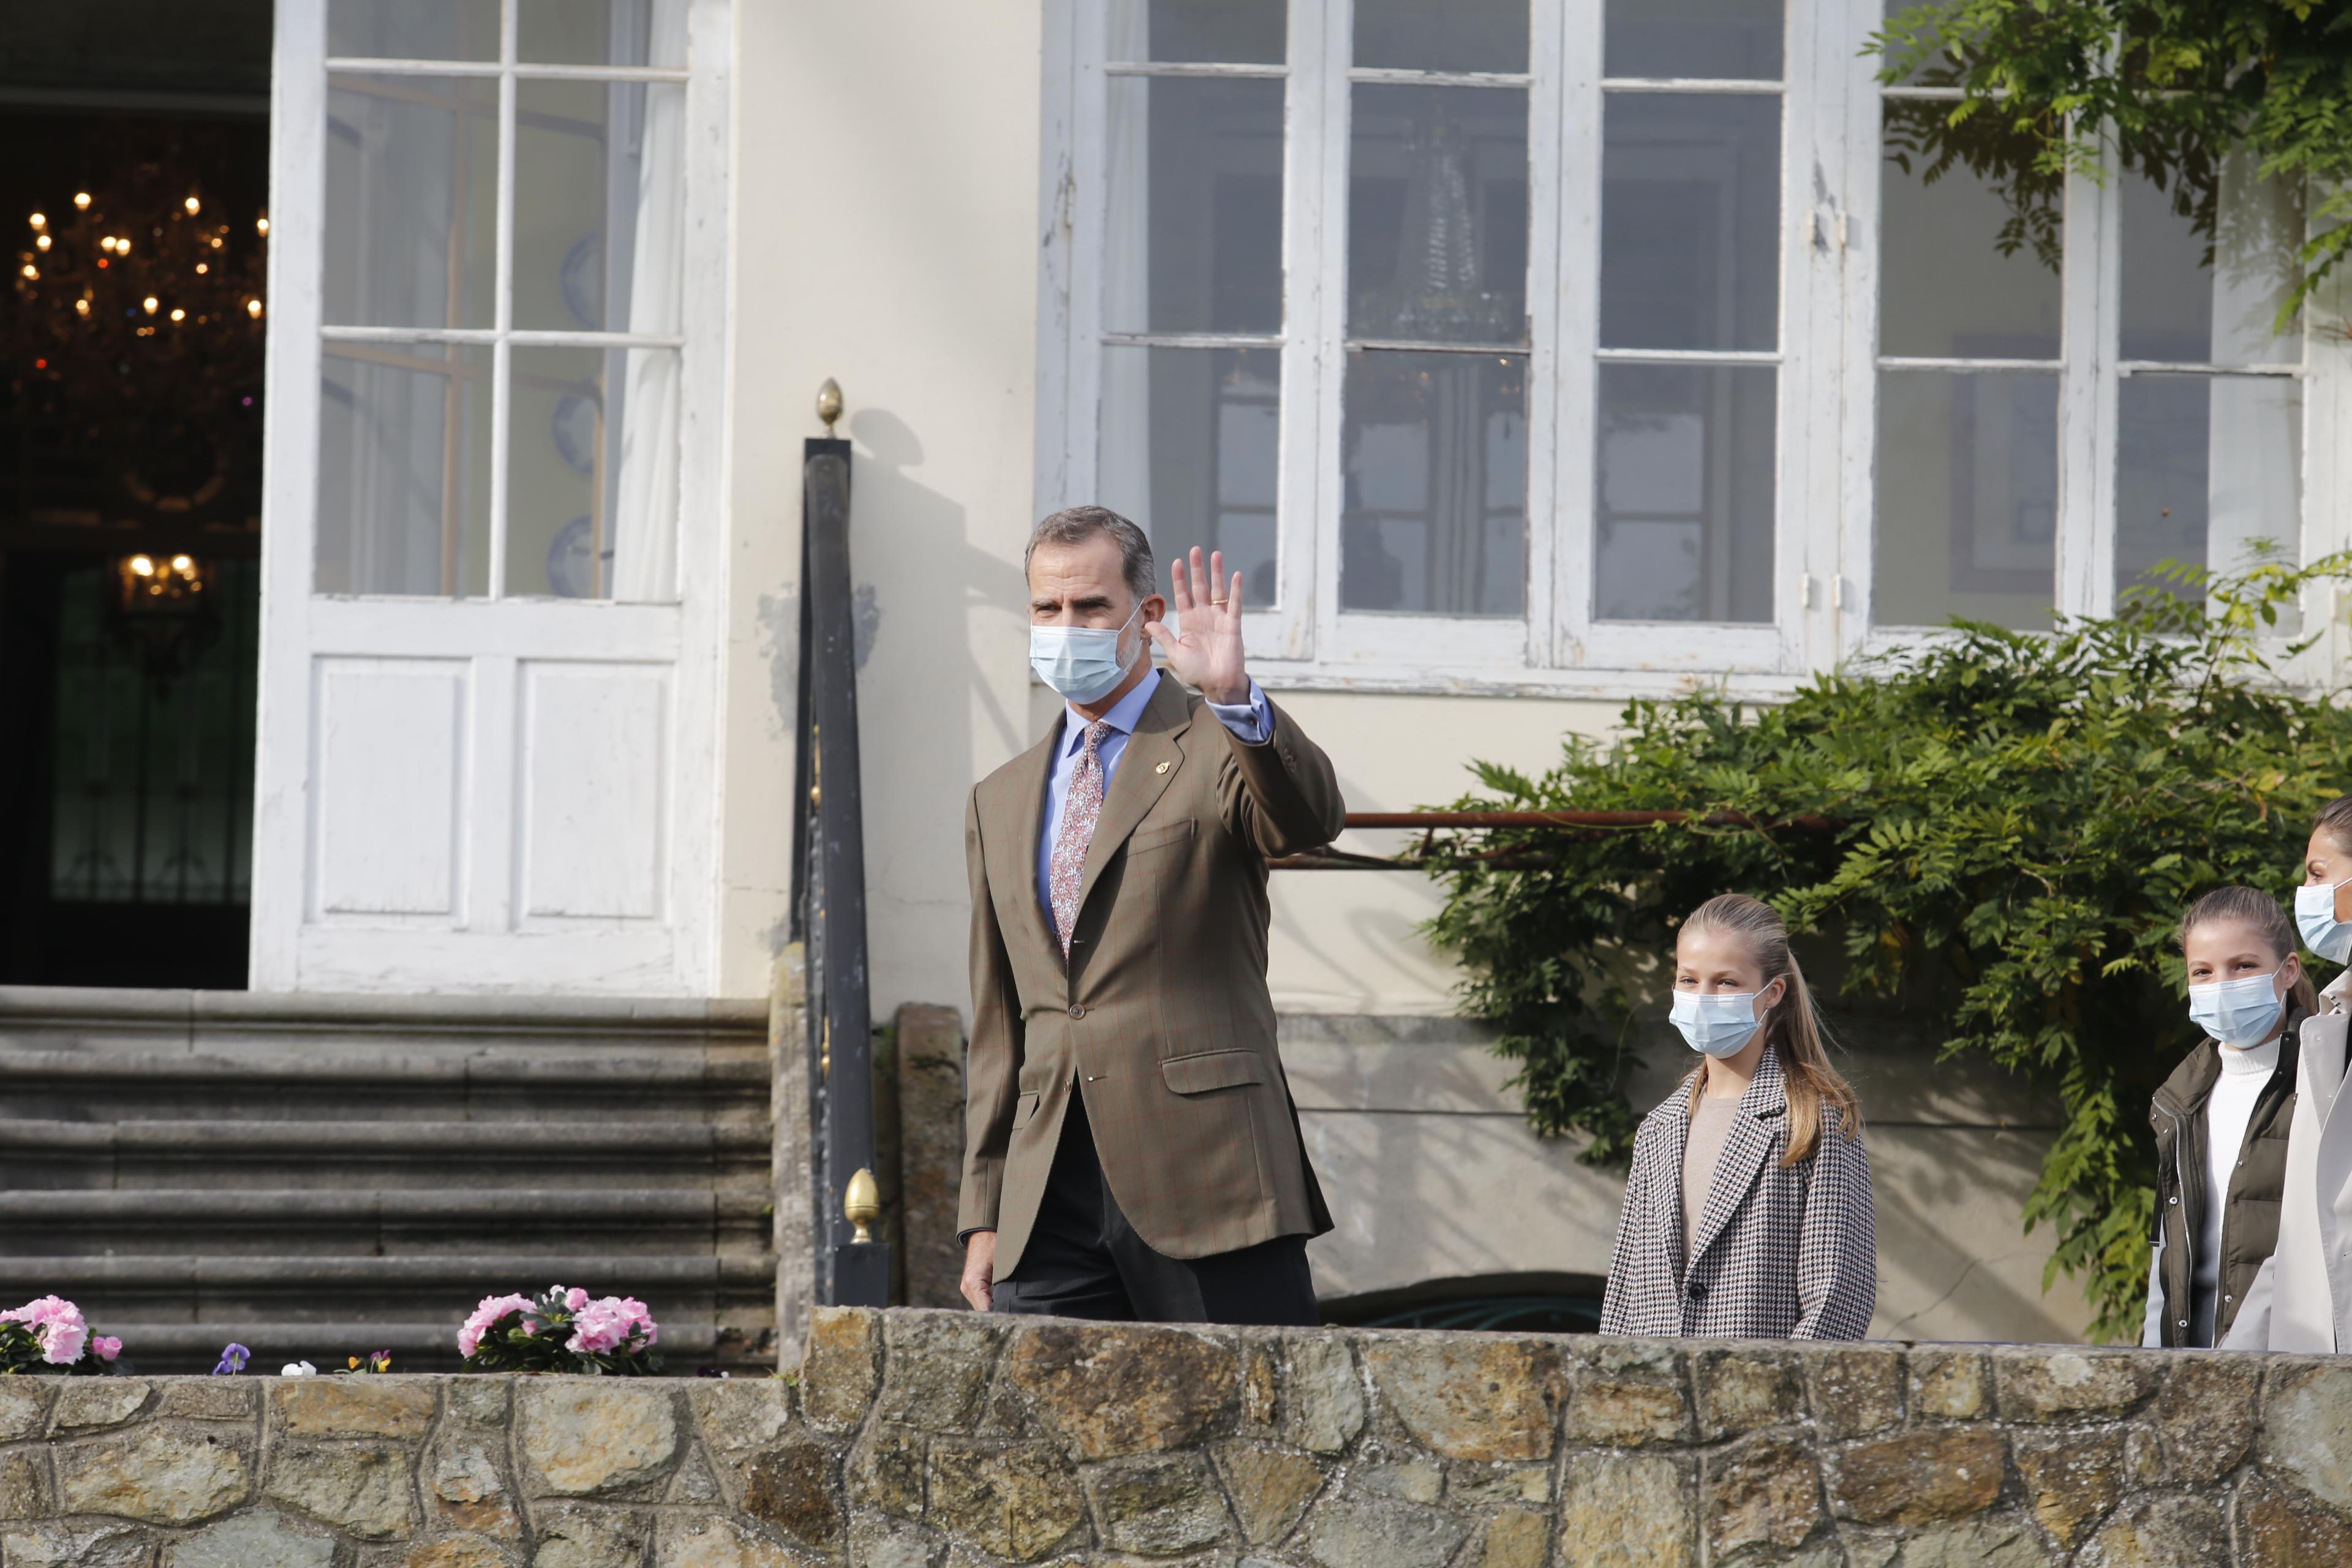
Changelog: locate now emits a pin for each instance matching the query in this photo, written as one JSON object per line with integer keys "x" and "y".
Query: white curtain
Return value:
{"x": 646, "y": 505}
{"x": 2254, "y": 487}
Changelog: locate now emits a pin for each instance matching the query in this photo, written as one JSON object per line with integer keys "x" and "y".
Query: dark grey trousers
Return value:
{"x": 1083, "y": 1261}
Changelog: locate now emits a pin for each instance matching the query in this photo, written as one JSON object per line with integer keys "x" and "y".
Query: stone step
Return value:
{"x": 50, "y": 1155}
{"x": 36, "y": 1276}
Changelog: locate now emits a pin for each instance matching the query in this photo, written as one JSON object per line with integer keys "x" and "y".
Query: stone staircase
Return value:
{"x": 320, "y": 1177}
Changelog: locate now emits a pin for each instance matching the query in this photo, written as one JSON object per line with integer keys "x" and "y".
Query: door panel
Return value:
{"x": 391, "y": 737}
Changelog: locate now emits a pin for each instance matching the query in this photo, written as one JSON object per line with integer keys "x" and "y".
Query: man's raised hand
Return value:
{"x": 1207, "y": 656}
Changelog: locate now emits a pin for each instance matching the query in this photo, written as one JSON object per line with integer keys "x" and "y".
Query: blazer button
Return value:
{"x": 2167, "y": 1200}
{"x": 1077, "y": 1011}
{"x": 1698, "y": 1292}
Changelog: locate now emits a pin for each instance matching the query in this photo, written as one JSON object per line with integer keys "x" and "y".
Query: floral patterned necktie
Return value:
{"x": 1081, "y": 809}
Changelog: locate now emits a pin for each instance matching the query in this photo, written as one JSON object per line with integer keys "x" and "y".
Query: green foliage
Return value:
{"x": 2017, "y": 821}
{"x": 2167, "y": 87}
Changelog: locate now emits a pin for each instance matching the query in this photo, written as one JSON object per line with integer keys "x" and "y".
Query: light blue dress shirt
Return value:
{"x": 1251, "y": 722}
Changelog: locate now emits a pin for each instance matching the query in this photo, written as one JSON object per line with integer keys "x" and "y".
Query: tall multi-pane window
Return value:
{"x": 503, "y": 231}
{"x": 1598, "y": 344}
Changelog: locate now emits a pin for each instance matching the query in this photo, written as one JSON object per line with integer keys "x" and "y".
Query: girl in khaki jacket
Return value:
{"x": 2301, "y": 1298}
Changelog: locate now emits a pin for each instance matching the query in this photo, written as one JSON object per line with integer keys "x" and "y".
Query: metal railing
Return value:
{"x": 1574, "y": 827}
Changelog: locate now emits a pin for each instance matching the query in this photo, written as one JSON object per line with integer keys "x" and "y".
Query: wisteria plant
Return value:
{"x": 562, "y": 1330}
{"x": 50, "y": 1335}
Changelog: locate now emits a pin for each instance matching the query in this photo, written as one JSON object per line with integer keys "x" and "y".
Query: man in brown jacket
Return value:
{"x": 1131, "y": 1149}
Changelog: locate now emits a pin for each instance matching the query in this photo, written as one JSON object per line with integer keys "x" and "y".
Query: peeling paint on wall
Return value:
{"x": 779, "y": 620}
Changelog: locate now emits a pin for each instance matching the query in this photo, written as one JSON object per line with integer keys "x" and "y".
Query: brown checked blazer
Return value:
{"x": 1161, "y": 1018}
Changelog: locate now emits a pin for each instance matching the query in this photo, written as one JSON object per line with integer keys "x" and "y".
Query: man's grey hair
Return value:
{"x": 1076, "y": 524}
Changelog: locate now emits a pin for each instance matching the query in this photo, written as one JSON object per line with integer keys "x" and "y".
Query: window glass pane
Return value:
{"x": 404, "y": 470}
{"x": 1967, "y": 497}
{"x": 1718, "y": 39}
{"x": 1443, "y": 35}
{"x": 2209, "y": 473}
{"x": 1195, "y": 241}
{"x": 411, "y": 230}
{"x": 600, "y": 198}
{"x": 413, "y": 29}
{"x": 2203, "y": 286}
{"x": 1434, "y": 465}
{"x": 1947, "y": 291}
{"x": 1188, "y": 448}
{"x": 1685, "y": 502}
{"x": 1690, "y": 219}
{"x": 592, "y": 474}
{"x": 1437, "y": 214}
{"x": 1231, "y": 32}
{"x": 601, "y": 32}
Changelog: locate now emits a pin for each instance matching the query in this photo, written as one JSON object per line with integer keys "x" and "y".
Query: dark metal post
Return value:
{"x": 832, "y": 883}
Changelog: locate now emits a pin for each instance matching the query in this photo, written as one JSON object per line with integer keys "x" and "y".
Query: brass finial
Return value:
{"x": 863, "y": 1205}
{"x": 828, "y": 403}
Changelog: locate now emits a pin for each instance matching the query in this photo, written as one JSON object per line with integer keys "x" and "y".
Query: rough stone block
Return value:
{"x": 1627, "y": 1393}
{"x": 1470, "y": 1397}
{"x": 1855, "y": 1390}
{"x": 794, "y": 1488}
{"x": 1270, "y": 1488}
{"x": 694, "y": 1480}
{"x": 24, "y": 1406}
{"x": 352, "y": 1406}
{"x": 939, "y": 1369}
{"x": 886, "y": 1544}
{"x": 466, "y": 1482}
{"x": 1481, "y": 1486}
{"x": 2281, "y": 1527}
{"x": 2308, "y": 1428}
{"x": 2207, "y": 1414}
{"x": 1347, "y": 1531}
{"x": 1018, "y": 1502}
{"x": 843, "y": 1368}
{"x": 583, "y": 1535}
{"x": 157, "y": 1474}
{"x": 1919, "y": 1476}
{"x": 77, "y": 1546}
{"x": 740, "y": 1416}
{"x": 210, "y": 1398}
{"x": 1515, "y": 1538}
{"x": 87, "y": 1404}
{"x": 713, "y": 1540}
{"x": 1763, "y": 1491}
{"x": 25, "y": 1485}
{"x": 484, "y": 1401}
{"x": 1326, "y": 1404}
{"x": 1740, "y": 1390}
{"x": 457, "y": 1552}
{"x": 2160, "y": 1533}
{"x": 2037, "y": 1383}
{"x": 597, "y": 1437}
{"x": 1123, "y": 1389}
{"x": 260, "y": 1540}
{"x": 1412, "y": 1480}
{"x": 1627, "y": 1510}
{"x": 885, "y": 1473}
{"x": 363, "y": 1487}
{"x": 2072, "y": 1480}
{"x": 1998, "y": 1541}
{"x": 1950, "y": 1384}
{"x": 1159, "y": 1507}
{"x": 1261, "y": 1390}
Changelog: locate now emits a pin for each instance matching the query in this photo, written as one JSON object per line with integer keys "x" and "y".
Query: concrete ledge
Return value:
{"x": 196, "y": 1011}
{"x": 942, "y": 1438}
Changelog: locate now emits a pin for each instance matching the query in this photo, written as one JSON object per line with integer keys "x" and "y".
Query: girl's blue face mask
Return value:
{"x": 2242, "y": 1012}
{"x": 1716, "y": 1025}
{"x": 2315, "y": 916}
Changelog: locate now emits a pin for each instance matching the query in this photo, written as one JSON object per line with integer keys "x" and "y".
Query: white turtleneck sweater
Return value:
{"x": 2228, "y": 1108}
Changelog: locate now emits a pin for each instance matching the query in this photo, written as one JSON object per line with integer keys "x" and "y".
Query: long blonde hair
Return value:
{"x": 1793, "y": 1027}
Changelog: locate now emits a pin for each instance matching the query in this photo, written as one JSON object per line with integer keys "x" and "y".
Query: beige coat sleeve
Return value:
{"x": 993, "y": 1059}
{"x": 1283, "y": 795}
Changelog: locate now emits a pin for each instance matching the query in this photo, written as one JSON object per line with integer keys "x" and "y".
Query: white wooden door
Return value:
{"x": 491, "y": 603}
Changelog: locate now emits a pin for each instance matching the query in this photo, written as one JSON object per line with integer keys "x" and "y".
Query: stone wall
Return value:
{"x": 944, "y": 1440}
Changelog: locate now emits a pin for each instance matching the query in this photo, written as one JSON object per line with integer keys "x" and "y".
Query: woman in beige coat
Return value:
{"x": 2301, "y": 1298}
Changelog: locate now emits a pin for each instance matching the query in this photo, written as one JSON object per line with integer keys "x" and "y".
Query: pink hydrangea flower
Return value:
{"x": 609, "y": 1324}
{"x": 58, "y": 1324}
{"x": 493, "y": 1308}
{"x": 574, "y": 1299}
{"x": 105, "y": 1347}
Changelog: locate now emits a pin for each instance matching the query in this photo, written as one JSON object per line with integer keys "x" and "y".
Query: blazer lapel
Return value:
{"x": 1154, "y": 753}
{"x": 1745, "y": 1146}
{"x": 1036, "y": 772}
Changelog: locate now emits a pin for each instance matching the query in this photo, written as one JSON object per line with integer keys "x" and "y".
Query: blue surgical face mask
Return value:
{"x": 1716, "y": 1025}
{"x": 1082, "y": 663}
{"x": 2242, "y": 1012}
{"x": 2315, "y": 916}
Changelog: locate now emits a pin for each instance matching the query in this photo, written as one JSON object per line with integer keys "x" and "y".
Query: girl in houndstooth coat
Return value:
{"x": 1747, "y": 1212}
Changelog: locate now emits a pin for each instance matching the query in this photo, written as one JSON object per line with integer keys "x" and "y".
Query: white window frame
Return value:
{"x": 489, "y": 942}
{"x": 1828, "y": 361}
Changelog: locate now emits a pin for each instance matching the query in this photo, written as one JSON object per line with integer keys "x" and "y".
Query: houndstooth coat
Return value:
{"x": 1779, "y": 1253}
